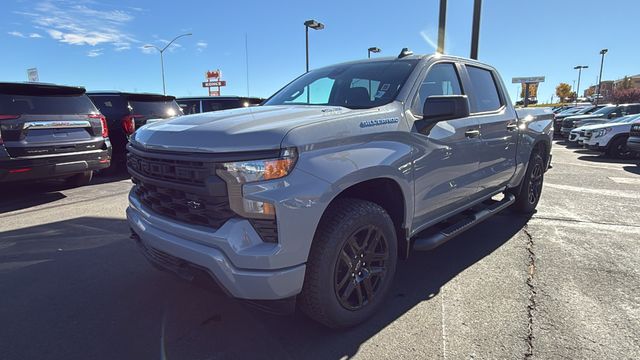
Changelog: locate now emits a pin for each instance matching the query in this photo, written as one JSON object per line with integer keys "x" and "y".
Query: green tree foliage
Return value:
{"x": 563, "y": 91}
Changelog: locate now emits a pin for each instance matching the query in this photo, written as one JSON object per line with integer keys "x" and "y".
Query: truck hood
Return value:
{"x": 583, "y": 117}
{"x": 243, "y": 129}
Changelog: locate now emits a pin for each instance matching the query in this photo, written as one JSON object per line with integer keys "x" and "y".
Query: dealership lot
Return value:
{"x": 561, "y": 284}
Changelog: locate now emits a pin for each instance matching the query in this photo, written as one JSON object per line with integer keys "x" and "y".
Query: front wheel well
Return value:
{"x": 387, "y": 194}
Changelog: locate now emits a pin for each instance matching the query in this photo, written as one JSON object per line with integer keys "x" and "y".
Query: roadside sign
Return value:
{"x": 215, "y": 74}
{"x": 214, "y": 83}
{"x": 32, "y": 75}
{"x": 529, "y": 79}
{"x": 214, "y": 93}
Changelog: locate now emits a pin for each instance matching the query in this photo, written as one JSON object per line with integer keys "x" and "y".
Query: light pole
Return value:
{"x": 602, "y": 52}
{"x": 164, "y": 91}
{"x": 579, "y": 68}
{"x": 372, "y": 50}
{"x": 315, "y": 25}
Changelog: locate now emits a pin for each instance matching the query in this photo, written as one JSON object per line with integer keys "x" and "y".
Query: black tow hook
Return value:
{"x": 134, "y": 236}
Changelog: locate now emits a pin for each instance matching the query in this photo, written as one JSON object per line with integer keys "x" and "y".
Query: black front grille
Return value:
{"x": 181, "y": 171}
{"x": 184, "y": 206}
{"x": 635, "y": 131}
{"x": 175, "y": 186}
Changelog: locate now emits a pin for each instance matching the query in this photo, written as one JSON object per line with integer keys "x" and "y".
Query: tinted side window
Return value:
{"x": 485, "y": 92}
{"x": 189, "y": 106}
{"x": 110, "y": 105}
{"x": 442, "y": 79}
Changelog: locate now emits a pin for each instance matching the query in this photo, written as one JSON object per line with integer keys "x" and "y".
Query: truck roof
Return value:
{"x": 38, "y": 88}
{"x": 134, "y": 96}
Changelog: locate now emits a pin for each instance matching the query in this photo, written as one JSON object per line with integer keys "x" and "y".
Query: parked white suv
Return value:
{"x": 611, "y": 138}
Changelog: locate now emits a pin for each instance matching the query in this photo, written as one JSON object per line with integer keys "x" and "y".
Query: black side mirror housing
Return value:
{"x": 441, "y": 108}
{"x": 613, "y": 115}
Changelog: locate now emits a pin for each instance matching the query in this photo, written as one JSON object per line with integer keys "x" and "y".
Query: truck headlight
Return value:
{"x": 235, "y": 174}
{"x": 259, "y": 170}
{"x": 602, "y": 132}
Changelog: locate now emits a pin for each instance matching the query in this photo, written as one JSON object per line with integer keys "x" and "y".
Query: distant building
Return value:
{"x": 606, "y": 89}
{"x": 633, "y": 82}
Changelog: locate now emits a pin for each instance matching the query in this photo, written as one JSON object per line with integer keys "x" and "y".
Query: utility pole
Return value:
{"x": 598, "y": 94}
{"x": 475, "y": 30}
{"x": 442, "y": 23}
{"x": 579, "y": 68}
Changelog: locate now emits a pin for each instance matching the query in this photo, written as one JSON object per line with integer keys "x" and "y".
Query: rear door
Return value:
{"x": 47, "y": 120}
{"x": 498, "y": 128}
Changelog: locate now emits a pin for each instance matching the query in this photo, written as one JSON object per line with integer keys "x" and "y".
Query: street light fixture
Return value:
{"x": 164, "y": 91}
{"x": 579, "y": 68}
{"x": 598, "y": 94}
{"x": 315, "y": 25}
{"x": 372, "y": 50}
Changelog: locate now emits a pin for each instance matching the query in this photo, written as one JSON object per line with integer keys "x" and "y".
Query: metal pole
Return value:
{"x": 578, "y": 88}
{"x": 442, "y": 23}
{"x": 368, "y": 54}
{"x": 164, "y": 90}
{"x": 600, "y": 77}
{"x": 307, "y": 44}
{"x": 475, "y": 30}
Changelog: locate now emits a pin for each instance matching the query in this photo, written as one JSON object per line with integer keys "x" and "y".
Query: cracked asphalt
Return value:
{"x": 563, "y": 284}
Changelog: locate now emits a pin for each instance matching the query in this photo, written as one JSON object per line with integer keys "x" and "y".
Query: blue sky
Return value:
{"x": 99, "y": 44}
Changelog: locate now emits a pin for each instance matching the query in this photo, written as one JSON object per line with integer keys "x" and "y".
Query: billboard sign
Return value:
{"x": 32, "y": 75}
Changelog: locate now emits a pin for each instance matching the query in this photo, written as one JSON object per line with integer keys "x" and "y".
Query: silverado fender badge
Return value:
{"x": 378, "y": 122}
{"x": 195, "y": 205}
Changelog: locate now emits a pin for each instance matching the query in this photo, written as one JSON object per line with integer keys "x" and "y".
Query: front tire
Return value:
{"x": 531, "y": 189}
{"x": 618, "y": 148}
{"x": 351, "y": 265}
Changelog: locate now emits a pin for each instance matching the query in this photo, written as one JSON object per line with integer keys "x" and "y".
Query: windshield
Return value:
{"x": 626, "y": 119}
{"x": 355, "y": 86}
{"x": 161, "y": 109}
{"x": 605, "y": 110}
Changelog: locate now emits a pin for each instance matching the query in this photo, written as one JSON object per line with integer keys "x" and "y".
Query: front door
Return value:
{"x": 446, "y": 156}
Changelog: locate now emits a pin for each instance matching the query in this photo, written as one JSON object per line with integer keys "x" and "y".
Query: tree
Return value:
{"x": 626, "y": 83}
{"x": 590, "y": 91}
{"x": 625, "y": 96}
{"x": 563, "y": 91}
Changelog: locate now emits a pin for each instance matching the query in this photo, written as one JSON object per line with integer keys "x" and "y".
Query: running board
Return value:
{"x": 442, "y": 236}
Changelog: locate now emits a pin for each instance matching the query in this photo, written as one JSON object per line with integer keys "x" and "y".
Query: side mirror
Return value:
{"x": 441, "y": 108}
{"x": 613, "y": 115}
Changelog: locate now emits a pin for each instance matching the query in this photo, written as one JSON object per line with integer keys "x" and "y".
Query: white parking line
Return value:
{"x": 625, "y": 180}
{"x": 604, "y": 192}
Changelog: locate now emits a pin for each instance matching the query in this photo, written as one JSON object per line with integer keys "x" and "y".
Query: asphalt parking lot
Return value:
{"x": 562, "y": 284}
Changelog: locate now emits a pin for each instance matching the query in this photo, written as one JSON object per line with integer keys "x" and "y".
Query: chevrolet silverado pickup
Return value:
{"x": 314, "y": 196}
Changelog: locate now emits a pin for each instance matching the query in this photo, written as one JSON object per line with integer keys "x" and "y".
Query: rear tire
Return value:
{"x": 618, "y": 148}
{"x": 531, "y": 188}
{"x": 351, "y": 265}
{"x": 81, "y": 179}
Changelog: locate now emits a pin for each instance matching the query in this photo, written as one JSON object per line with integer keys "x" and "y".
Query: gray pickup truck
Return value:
{"x": 315, "y": 195}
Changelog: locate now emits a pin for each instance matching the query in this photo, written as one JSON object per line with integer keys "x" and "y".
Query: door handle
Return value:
{"x": 512, "y": 127}
{"x": 472, "y": 133}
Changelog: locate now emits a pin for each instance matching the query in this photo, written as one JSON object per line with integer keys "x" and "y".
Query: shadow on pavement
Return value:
{"x": 635, "y": 169}
{"x": 19, "y": 196}
{"x": 604, "y": 159}
{"x": 83, "y": 290}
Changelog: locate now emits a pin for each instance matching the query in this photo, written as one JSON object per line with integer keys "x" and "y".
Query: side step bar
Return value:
{"x": 439, "y": 238}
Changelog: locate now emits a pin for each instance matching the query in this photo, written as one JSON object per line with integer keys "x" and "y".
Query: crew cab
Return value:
{"x": 50, "y": 131}
{"x": 314, "y": 196}
{"x": 125, "y": 112}
{"x": 611, "y": 138}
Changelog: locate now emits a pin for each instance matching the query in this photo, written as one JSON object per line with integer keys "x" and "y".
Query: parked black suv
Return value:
{"x": 125, "y": 112}
{"x": 196, "y": 105}
{"x": 50, "y": 131}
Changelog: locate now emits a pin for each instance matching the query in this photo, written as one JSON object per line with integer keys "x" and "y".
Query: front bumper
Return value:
{"x": 43, "y": 167}
{"x": 565, "y": 131}
{"x": 595, "y": 147}
{"x": 161, "y": 245}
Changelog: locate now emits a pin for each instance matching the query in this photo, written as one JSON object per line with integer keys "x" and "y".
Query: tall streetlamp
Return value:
{"x": 372, "y": 50}
{"x": 315, "y": 25}
{"x": 579, "y": 68}
{"x": 598, "y": 94}
{"x": 164, "y": 91}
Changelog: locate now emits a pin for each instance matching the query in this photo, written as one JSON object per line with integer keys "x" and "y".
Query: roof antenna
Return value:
{"x": 404, "y": 53}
